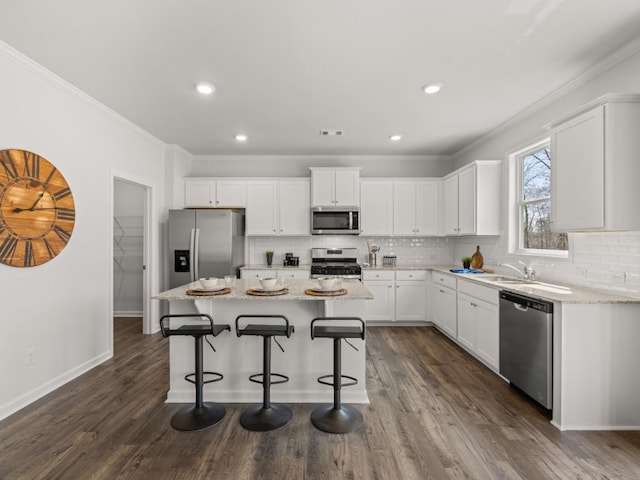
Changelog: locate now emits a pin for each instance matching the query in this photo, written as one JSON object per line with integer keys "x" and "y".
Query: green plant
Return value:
{"x": 466, "y": 259}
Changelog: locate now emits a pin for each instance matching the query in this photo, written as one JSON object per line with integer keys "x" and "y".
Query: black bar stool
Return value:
{"x": 268, "y": 416}
{"x": 337, "y": 418}
{"x": 200, "y": 415}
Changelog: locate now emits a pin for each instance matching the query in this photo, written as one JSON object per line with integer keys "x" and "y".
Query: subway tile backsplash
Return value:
{"x": 408, "y": 250}
{"x": 606, "y": 261}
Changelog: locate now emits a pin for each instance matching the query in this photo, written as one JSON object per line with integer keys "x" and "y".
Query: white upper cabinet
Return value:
{"x": 335, "y": 186}
{"x": 594, "y": 167}
{"x": 376, "y": 207}
{"x": 472, "y": 197}
{"x": 415, "y": 207}
{"x": 209, "y": 192}
{"x": 278, "y": 207}
{"x": 294, "y": 206}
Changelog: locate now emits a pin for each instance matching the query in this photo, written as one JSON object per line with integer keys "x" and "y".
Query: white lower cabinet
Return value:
{"x": 444, "y": 310}
{"x": 277, "y": 273}
{"x": 294, "y": 274}
{"x": 399, "y": 296}
{"x": 411, "y": 296}
{"x": 478, "y": 321}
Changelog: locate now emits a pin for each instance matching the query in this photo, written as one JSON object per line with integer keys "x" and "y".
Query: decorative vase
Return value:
{"x": 269, "y": 258}
{"x": 466, "y": 263}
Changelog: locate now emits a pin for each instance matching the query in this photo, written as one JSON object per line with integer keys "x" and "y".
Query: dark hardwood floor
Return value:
{"x": 434, "y": 413}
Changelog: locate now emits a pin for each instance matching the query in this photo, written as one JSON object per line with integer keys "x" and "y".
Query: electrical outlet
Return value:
{"x": 581, "y": 271}
{"x": 31, "y": 356}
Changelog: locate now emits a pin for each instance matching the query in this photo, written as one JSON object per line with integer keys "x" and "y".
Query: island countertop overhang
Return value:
{"x": 356, "y": 290}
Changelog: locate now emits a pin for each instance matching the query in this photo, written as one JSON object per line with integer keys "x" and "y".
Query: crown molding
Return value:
{"x": 22, "y": 60}
{"x": 617, "y": 56}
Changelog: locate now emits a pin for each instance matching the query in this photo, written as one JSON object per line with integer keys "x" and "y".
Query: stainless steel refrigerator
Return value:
{"x": 204, "y": 243}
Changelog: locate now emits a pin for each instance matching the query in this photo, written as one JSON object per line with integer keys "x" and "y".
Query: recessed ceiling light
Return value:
{"x": 395, "y": 138}
{"x": 241, "y": 137}
{"x": 433, "y": 88}
{"x": 205, "y": 88}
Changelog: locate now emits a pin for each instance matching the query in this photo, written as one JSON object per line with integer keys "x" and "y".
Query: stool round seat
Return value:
{"x": 336, "y": 417}
{"x": 268, "y": 416}
{"x": 200, "y": 415}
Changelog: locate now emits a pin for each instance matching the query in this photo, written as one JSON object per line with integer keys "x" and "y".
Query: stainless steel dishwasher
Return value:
{"x": 526, "y": 345}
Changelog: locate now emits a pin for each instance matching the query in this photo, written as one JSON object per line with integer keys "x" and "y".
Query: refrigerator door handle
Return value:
{"x": 192, "y": 255}
{"x": 196, "y": 250}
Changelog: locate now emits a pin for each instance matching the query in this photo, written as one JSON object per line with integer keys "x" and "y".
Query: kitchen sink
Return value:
{"x": 505, "y": 280}
{"x": 526, "y": 286}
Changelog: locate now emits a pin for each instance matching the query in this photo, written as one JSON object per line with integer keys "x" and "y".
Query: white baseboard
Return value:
{"x": 48, "y": 387}
{"x": 125, "y": 313}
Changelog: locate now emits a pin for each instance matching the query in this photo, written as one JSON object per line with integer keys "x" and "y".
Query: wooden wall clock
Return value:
{"x": 37, "y": 212}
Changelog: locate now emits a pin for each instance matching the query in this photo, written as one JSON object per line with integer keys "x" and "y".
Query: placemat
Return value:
{"x": 318, "y": 293}
{"x": 200, "y": 293}
{"x": 258, "y": 293}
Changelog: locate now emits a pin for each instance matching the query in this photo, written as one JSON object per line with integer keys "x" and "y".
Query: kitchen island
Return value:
{"x": 237, "y": 358}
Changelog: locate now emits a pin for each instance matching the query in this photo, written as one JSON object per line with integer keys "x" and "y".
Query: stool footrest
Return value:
{"x": 283, "y": 378}
{"x": 354, "y": 381}
{"x": 190, "y": 377}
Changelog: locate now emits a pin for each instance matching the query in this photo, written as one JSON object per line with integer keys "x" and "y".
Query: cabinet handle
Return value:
{"x": 441, "y": 291}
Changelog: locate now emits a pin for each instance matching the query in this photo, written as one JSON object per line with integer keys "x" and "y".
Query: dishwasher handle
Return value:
{"x": 522, "y": 308}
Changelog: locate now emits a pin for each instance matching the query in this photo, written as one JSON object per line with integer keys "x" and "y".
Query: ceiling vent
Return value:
{"x": 331, "y": 133}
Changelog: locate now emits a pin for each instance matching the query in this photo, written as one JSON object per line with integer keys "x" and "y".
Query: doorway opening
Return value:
{"x": 130, "y": 252}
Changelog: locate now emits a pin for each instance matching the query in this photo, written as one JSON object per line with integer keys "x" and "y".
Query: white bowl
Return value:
{"x": 268, "y": 283}
{"x": 208, "y": 282}
{"x": 326, "y": 283}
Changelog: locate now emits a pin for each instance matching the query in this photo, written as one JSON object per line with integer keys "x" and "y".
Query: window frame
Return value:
{"x": 516, "y": 203}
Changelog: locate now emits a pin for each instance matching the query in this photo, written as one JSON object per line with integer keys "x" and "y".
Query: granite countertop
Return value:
{"x": 539, "y": 289}
{"x": 356, "y": 290}
{"x": 398, "y": 267}
{"x": 275, "y": 267}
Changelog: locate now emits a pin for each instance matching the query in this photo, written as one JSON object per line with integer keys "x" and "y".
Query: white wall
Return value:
{"x": 605, "y": 257}
{"x": 298, "y": 165}
{"x": 62, "y": 309}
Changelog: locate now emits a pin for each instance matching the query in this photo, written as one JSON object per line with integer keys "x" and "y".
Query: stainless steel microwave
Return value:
{"x": 335, "y": 221}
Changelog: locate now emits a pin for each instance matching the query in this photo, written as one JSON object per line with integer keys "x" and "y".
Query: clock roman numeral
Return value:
{"x": 31, "y": 165}
{"x": 50, "y": 250}
{"x": 9, "y": 166}
{"x": 46, "y": 182}
{"x": 62, "y": 193}
{"x": 62, "y": 233}
{"x": 66, "y": 214}
{"x": 29, "y": 254}
{"x": 8, "y": 248}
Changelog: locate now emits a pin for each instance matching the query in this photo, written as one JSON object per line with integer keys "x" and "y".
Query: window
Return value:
{"x": 533, "y": 188}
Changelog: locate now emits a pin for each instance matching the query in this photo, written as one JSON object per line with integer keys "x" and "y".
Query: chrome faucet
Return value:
{"x": 527, "y": 270}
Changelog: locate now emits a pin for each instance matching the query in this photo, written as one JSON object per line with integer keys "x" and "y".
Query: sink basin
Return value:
{"x": 527, "y": 286}
{"x": 506, "y": 280}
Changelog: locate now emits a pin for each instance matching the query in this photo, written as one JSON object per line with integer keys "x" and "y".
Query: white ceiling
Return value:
{"x": 286, "y": 69}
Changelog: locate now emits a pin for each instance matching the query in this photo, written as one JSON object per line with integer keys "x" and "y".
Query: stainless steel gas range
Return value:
{"x": 335, "y": 262}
